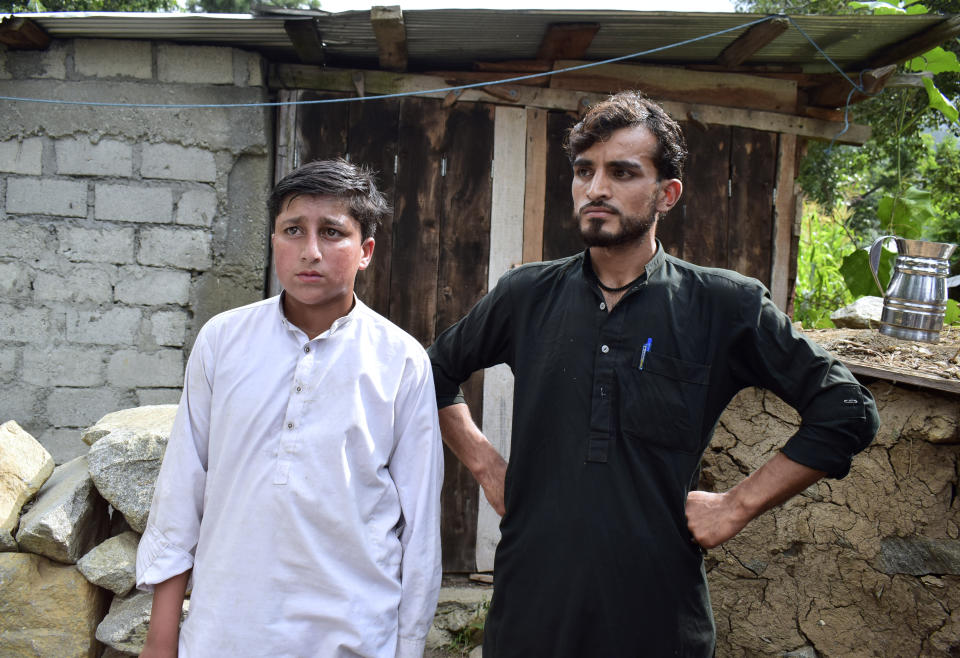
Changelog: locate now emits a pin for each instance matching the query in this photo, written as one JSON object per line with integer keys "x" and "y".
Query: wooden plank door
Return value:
{"x": 430, "y": 260}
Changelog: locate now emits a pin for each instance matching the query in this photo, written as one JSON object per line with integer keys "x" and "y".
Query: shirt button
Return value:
{"x": 604, "y": 349}
{"x": 289, "y": 426}
{"x": 299, "y": 389}
{"x": 603, "y": 306}
{"x": 306, "y": 349}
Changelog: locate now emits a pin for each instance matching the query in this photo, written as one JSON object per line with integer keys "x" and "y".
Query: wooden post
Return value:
{"x": 506, "y": 249}
{"x": 784, "y": 211}
{"x": 534, "y": 198}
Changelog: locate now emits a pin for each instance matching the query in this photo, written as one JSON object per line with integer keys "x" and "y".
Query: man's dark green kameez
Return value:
{"x": 595, "y": 557}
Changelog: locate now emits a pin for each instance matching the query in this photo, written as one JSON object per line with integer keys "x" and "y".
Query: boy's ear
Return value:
{"x": 366, "y": 252}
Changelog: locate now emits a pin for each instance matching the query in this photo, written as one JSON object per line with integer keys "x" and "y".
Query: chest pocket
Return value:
{"x": 663, "y": 403}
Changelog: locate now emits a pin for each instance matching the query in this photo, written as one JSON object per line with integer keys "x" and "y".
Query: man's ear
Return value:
{"x": 669, "y": 194}
{"x": 366, "y": 253}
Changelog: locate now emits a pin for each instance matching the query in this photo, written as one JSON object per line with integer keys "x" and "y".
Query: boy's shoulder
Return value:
{"x": 379, "y": 328}
{"x": 243, "y": 318}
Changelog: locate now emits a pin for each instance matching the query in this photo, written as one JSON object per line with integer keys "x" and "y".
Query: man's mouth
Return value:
{"x": 597, "y": 210}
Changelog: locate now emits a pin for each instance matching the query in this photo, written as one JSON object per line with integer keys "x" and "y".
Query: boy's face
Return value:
{"x": 317, "y": 250}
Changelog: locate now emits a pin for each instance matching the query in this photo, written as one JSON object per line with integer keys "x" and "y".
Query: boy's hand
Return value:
{"x": 163, "y": 636}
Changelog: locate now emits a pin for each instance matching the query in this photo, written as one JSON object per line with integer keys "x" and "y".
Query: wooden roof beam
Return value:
{"x": 306, "y": 39}
{"x": 751, "y": 41}
{"x": 835, "y": 93}
{"x": 566, "y": 41}
{"x": 917, "y": 45}
{"x": 391, "y": 36}
{"x": 23, "y": 34}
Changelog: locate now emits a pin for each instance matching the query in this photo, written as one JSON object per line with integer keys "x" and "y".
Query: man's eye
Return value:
{"x": 622, "y": 173}
{"x": 583, "y": 172}
{"x": 332, "y": 232}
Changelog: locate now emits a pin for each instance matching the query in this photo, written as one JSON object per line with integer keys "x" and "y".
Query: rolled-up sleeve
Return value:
{"x": 839, "y": 415}
{"x": 416, "y": 467}
{"x": 169, "y": 541}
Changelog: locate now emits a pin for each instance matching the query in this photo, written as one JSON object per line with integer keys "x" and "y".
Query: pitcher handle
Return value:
{"x": 875, "y": 249}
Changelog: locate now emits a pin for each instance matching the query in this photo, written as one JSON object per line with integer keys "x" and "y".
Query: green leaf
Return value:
{"x": 940, "y": 102}
{"x": 858, "y": 277}
{"x": 953, "y": 313}
{"x": 907, "y": 214}
{"x": 937, "y": 60}
{"x": 916, "y": 9}
{"x": 878, "y": 8}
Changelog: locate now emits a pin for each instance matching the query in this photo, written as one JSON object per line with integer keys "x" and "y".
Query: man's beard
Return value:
{"x": 633, "y": 228}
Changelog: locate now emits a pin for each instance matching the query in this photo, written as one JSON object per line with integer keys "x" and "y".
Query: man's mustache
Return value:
{"x": 597, "y": 204}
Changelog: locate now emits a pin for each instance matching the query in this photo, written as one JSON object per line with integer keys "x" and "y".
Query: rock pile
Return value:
{"x": 69, "y": 537}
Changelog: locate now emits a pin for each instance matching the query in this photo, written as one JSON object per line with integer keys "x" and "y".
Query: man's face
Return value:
{"x": 616, "y": 195}
{"x": 317, "y": 251}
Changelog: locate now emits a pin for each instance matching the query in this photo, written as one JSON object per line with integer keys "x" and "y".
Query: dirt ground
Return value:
{"x": 871, "y": 348}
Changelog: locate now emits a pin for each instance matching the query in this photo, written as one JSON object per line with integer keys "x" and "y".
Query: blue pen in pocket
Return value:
{"x": 643, "y": 352}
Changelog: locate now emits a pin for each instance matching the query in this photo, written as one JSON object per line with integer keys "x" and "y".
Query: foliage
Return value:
{"x": 824, "y": 241}
{"x": 248, "y": 6}
{"x": 21, "y": 6}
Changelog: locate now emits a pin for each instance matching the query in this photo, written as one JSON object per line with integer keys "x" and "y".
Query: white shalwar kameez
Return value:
{"x": 302, "y": 485}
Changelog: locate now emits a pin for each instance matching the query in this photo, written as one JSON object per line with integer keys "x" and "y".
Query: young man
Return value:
{"x": 301, "y": 483}
{"x": 623, "y": 358}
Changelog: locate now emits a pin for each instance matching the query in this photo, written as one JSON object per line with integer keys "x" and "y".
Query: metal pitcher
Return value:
{"x": 915, "y": 302}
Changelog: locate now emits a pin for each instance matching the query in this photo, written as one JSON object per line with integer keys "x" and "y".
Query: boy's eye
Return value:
{"x": 292, "y": 230}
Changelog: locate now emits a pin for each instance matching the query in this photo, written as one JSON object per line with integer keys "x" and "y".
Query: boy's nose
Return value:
{"x": 311, "y": 249}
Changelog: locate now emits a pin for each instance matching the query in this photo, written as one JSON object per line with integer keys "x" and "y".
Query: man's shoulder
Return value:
{"x": 532, "y": 273}
{"x": 712, "y": 278}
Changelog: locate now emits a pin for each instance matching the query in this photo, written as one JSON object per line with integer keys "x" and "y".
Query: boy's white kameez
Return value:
{"x": 302, "y": 485}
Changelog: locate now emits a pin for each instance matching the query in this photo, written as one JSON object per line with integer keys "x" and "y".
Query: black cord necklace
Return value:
{"x": 620, "y": 289}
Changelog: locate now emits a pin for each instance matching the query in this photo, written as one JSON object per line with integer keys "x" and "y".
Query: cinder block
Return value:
{"x": 22, "y": 156}
{"x": 186, "y": 249}
{"x": 152, "y": 287}
{"x": 14, "y": 280}
{"x": 27, "y": 325}
{"x": 197, "y": 208}
{"x": 63, "y": 366}
{"x": 249, "y": 69}
{"x": 19, "y": 402}
{"x": 80, "y": 407}
{"x": 80, "y": 156}
{"x": 113, "y": 245}
{"x": 175, "y": 162}
{"x": 117, "y": 326}
{"x": 149, "y": 396}
{"x": 133, "y": 203}
{"x": 8, "y": 362}
{"x": 24, "y": 241}
{"x": 169, "y": 327}
{"x": 130, "y": 368}
{"x": 39, "y": 196}
{"x": 194, "y": 64}
{"x": 111, "y": 58}
{"x": 80, "y": 283}
{"x": 63, "y": 445}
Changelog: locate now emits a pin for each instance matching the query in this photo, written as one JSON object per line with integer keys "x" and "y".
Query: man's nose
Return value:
{"x": 599, "y": 187}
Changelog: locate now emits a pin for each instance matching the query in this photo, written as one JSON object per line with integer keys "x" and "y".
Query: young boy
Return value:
{"x": 301, "y": 483}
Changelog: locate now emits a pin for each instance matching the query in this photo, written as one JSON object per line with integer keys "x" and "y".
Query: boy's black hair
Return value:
{"x": 336, "y": 178}
{"x": 626, "y": 110}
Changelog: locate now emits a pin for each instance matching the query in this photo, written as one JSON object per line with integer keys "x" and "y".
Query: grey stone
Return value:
{"x": 20, "y": 402}
{"x": 24, "y": 241}
{"x": 864, "y": 313}
{"x": 107, "y": 58}
{"x": 155, "y": 420}
{"x": 113, "y": 245}
{"x": 133, "y": 369}
{"x": 154, "y": 396}
{"x": 186, "y": 249}
{"x": 169, "y": 327}
{"x": 63, "y": 366}
{"x": 124, "y": 465}
{"x": 37, "y": 196}
{"x": 113, "y": 563}
{"x": 64, "y": 444}
{"x": 22, "y": 156}
{"x": 920, "y": 556}
{"x": 68, "y": 517}
{"x": 28, "y": 325}
{"x": 152, "y": 286}
{"x": 14, "y": 280}
{"x": 125, "y": 626}
{"x": 134, "y": 203}
{"x": 194, "y": 64}
{"x": 81, "y": 157}
{"x": 197, "y": 207}
{"x": 174, "y": 162}
{"x": 24, "y": 466}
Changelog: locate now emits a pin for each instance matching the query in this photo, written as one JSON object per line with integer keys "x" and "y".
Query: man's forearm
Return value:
{"x": 163, "y": 634}
{"x": 713, "y": 518}
{"x": 471, "y": 447}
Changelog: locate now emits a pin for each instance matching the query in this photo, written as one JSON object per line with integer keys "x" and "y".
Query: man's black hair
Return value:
{"x": 626, "y": 110}
{"x": 337, "y": 178}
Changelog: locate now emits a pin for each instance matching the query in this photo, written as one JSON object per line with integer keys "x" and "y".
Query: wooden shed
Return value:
{"x": 463, "y": 113}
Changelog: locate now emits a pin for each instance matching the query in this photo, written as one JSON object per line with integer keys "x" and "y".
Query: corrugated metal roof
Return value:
{"x": 455, "y": 38}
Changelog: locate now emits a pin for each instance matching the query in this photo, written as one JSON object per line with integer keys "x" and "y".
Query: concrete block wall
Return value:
{"x": 122, "y": 229}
